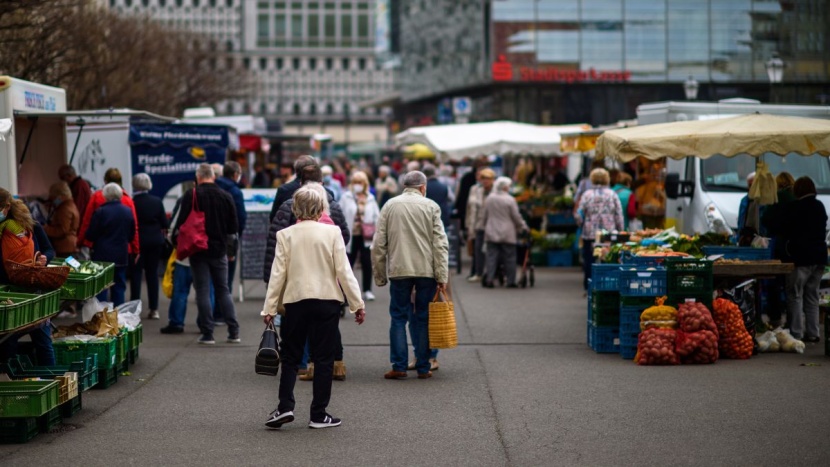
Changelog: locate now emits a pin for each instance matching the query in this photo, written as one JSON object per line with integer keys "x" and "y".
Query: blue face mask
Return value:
{"x": 2, "y": 216}
{"x": 57, "y": 202}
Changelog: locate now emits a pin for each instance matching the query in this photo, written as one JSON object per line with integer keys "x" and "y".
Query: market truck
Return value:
{"x": 36, "y": 144}
{"x": 701, "y": 193}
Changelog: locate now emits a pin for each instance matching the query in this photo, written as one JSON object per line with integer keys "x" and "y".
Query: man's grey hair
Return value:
{"x": 384, "y": 168}
{"x": 217, "y": 169}
{"x": 308, "y": 204}
{"x": 429, "y": 170}
{"x": 142, "y": 182}
{"x": 414, "y": 179}
{"x": 112, "y": 192}
{"x": 318, "y": 187}
{"x": 302, "y": 162}
{"x": 413, "y": 166}
{"x": 503, "y": 184}
{"x": 205, "y": 172}
{"x": 231, "y": 169}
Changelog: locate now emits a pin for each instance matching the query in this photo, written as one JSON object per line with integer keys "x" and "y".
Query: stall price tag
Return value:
{"x": 73, "y": 263}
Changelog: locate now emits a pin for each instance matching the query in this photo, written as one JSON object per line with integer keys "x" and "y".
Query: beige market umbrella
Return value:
{"x": 753, "y": 134}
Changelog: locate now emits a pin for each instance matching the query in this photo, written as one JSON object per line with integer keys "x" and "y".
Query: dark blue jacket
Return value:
{"x": 238, "y": 200}
{"x": 110, "y": 231}
{"x": 804, "y": 231}
{"x": 42, "y": 243}
{"x": 151, "y": 220}
{"x": 439, "y": 193}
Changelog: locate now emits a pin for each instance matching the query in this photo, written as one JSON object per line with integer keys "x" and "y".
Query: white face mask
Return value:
{"x": 357, "y": 188}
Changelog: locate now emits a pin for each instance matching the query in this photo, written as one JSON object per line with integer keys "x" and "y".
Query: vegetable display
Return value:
{"x": 657, "y": 347}
{"x": 733, "y": 339}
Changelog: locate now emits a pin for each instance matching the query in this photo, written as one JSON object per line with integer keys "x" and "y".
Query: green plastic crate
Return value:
{"x": 73, "y": 351}
{"x": 121, "y": 350}
{"x": 135, "y": 337}
{"x": 20, "y": 313}
{"x": 72, "y": 406}
{"x": 27, "y": 398}
{"x": 79, "y": 286}
{"x": 107, "y": 378}
{"x": 105, "y": 278}
{"x": 17, "y": 430}
{"x": 49, "y": 420}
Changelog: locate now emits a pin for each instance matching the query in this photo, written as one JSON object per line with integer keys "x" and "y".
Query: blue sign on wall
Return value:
{"x": 170, "y": 154}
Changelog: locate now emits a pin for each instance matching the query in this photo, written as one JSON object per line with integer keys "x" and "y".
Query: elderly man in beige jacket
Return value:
{"x": 501, "y": 220}
{"x": 410, "y": 251}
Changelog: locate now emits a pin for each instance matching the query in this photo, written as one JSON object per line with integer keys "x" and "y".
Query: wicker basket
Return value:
{"x": 443, "y": 333}
{"x": 30, "y": 274}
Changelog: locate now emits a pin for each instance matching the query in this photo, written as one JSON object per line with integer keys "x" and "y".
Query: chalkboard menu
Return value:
{"x": 455, "y": 245}
{"x": 254, "y": 241}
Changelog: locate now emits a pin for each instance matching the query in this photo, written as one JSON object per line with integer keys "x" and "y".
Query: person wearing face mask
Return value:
{"x": 330, "y": 183}
{"x": 64, "y": 221}
{"x": 361, "y": 211}
{"x": 231, "y": 174}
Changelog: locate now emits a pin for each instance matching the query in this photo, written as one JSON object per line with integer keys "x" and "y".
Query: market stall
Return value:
{"x": 649, "y": 269}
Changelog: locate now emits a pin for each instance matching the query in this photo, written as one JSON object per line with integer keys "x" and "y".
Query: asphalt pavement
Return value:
{"x": 522, "y": 389}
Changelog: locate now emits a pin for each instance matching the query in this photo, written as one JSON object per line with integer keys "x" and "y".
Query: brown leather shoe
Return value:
{"x": 339, "y": 373}
{"x": 392, "y": 374}
{"x": 426, "y": 375}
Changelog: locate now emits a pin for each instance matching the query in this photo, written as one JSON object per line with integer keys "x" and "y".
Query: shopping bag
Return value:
{"x": 268, "y": 355}
{"x": 192, "y": 235}
{"x": 443, "y": 333}
{"x": 167, "y": 280}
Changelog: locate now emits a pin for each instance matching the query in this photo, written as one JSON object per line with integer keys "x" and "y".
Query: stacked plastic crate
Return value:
{"x": 690, "y": 280}
{"x": 604, "y": 309}
{"x": 642, "y": 279}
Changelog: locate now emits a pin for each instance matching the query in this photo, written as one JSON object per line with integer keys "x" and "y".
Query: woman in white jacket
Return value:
{"x": 361, "y": 211}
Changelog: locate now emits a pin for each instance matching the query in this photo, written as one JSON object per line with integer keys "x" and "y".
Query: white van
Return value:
{"x": 701, "y": 192}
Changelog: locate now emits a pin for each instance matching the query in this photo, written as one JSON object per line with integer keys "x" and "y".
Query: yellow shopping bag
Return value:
{"x": 167, "y": 280}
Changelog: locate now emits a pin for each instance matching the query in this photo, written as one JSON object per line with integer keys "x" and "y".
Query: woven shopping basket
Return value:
{"x": 443, "y": 333}
{"x": 30, "y": 274}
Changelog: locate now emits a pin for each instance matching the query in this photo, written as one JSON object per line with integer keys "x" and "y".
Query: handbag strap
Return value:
{"x": 195, "y": 202}
{"x": 444, "y": 296}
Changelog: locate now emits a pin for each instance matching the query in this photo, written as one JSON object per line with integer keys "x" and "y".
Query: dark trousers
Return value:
{"x": 218, "y": 312}
{"x": 41, "y": 338}
{"x": 501, "y": 254}
{"x": 116, "y": 293}
{"x": 360, "y": 249}
{"x": 587, "y": 261}
{"x": 317, "y": 321}
{"x": 148, "y": 263}
{"x": 206, "y": 270}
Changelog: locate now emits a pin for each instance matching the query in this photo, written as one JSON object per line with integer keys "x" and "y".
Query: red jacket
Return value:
{"x": 97, "y": 201}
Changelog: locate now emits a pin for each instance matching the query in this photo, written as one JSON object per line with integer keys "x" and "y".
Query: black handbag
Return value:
{"x": 268, "y": 355}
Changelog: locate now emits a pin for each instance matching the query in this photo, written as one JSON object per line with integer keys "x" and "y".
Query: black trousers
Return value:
{"x": 148, "y": 265}
{"x": 361, "y": 250}
{"x": 316, "y": 320}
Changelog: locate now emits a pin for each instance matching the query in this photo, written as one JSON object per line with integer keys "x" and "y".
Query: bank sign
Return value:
{"x": 503, "y": 70}
{"x": 170, "y": 154}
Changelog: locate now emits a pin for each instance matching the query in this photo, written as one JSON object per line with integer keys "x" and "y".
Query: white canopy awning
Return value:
{"x": 475, "y": 139}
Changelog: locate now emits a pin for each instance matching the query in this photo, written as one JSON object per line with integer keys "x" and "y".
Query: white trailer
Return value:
{"x": 36, "y": 145}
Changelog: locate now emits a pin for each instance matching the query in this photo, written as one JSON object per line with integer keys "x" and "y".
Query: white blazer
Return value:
{"x": 310, "y": 259}
{"x": 371, "y": 212}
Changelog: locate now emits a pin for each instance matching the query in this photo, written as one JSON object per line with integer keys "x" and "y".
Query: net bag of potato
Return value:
{"x": 657, "y": 347}
{"x": 659, "y": 316}
{"x": 697, "y": 338}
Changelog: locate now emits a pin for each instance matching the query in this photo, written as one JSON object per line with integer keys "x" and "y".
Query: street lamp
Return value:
{"x": 691, "y": 86}
{"x": 775, "y": 71}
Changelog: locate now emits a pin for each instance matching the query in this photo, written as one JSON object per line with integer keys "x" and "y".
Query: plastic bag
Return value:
{"x": 699, "y": 347}
{"x": 657, "y": 347}
{"x": 760, "y": 242}
{"x": 93, "y": 306}
{"x": 743, "y": 295}
{"x": 767, "y": 342}
{"x": 129, "y": 315}
{"x": 788, "y": 342}
{"x": 167, "y": 280}
{"x": 659, "y": 316}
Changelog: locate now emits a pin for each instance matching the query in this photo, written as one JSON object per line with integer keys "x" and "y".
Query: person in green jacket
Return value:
{"x": 622, "y": 187}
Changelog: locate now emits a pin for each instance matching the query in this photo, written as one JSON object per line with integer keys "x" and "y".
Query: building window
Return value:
{"x": 363, "y": 27}
{"x": 229, "y": 3}
{"x": 313, "y": 30}
{"x": 329, "y": 64}
{"x": 312, "y": 63}
{"x": 246, "y": 63}
{"x": 212, "y": 3}
{"x": 330, "y": 29}
{"x": 280, "y": 27}
{"x": 295, "y": 63}
{"x": 262, "y": 27}
{"x": 128, "y": 3}
{"x": 312, "y": 109}
{"x": 196, "y": 3}
{"x": 345, "y": 64}
{"x": 263, "y": 108}
{"x": 229, "y": 46}
{"x": 297, "y": 26}
{"x": 361, "y": 64}
{"x": 279, "y": 63}
{"x": 179, "y": 3}
{"x": 296, "y": 109}
{"x": 263, "y": 64}
{"x": 346, "y": 30}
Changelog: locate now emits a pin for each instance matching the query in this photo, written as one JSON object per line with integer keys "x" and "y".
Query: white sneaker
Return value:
{"x": 153, "y": 314}
{"x": 474, "y": 279}
{"x": 369, "y": 296}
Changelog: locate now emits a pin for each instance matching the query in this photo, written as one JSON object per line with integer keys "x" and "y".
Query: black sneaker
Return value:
{"x": 327, "y": 422}
{"x": 206, "y": 340}
{"x": 170, "y": 329}
{"x": 812, "y": 339}
{"x": 277, "y": 419}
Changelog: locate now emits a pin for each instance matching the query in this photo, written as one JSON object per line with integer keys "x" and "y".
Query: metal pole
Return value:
{"x": 81, "y": 122}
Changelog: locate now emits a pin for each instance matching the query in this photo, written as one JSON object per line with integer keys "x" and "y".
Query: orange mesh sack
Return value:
{"x": 443, "y": 333}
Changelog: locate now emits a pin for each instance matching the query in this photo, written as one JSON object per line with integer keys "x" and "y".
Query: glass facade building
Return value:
{"x": 552, "y": 53}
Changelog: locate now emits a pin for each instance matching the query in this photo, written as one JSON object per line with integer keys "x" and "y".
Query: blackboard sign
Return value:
{"x": 253, "y": 244}
{"x": 454, "y": 256}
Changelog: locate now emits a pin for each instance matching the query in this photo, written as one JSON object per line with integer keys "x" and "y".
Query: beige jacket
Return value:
{"x": 475, "y": 210}
{"x": 502, "y": 218}
{"x": 310, "y": 259}
{"x": 410, "y": 240}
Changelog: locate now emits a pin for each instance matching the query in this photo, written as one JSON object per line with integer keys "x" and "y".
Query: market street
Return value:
{"x": 522, "y": 389}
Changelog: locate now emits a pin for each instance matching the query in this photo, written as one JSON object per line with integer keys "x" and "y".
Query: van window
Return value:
{"x": 729, "y": 173}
